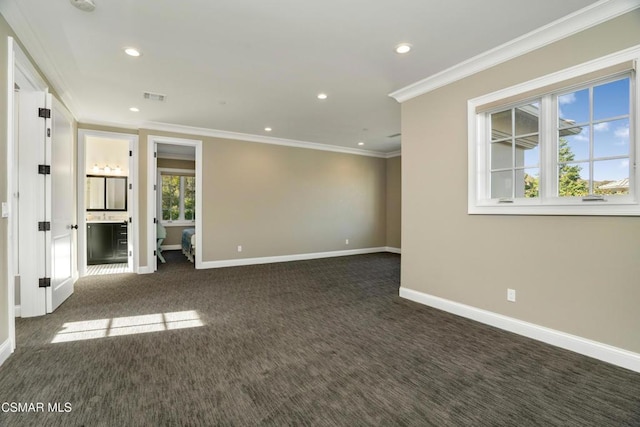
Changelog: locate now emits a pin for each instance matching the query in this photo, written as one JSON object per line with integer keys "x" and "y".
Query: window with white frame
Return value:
{"x": 177, "y": 201}
{"x": 564, "y": 144}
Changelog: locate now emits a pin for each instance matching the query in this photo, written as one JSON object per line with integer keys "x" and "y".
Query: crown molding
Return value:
{"x": 573, "y": 23}
{"x": 15, "y": 17}
{"x": 394, "y": 154}
{"x": 215, "y": 133}
{"x": 189, "y": 130}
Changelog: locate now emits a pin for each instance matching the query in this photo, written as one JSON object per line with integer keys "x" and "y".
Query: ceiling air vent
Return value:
{"x": 394, "y": 135}
{"x": 154, "y": 96}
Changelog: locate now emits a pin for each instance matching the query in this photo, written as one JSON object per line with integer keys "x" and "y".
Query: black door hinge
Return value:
{"x": 44, "y": 282}
{"x": 44, "y": 226}
{"x": 44, "y": 169}
{"x": 130, "y": 220}
{"x": 155, "y": 220}
{"x": 48, "y": 132}
{"x": 155, "y": 253}
{"x": 130, "y": 153}
{"x": 155, "y": 187}
{"x": 130, "y": 186}
{"x": 155, "y": 155}
{"x": 45, "y": 113}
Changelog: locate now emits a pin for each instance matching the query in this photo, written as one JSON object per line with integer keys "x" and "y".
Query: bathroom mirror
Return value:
{"x": 106, "y": 193}
{"x": 95, "y": 193}
{"x": 116, "y": 194}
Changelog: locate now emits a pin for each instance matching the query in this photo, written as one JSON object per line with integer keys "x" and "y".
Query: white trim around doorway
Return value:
{"x": 152, "y": 142}
{"x": 132, "y": 201}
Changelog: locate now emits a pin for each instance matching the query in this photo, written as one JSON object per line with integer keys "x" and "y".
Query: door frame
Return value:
{"x": 132, "y": 197}
{"x": 152, "y": 173}
{"x": 19, "y": 67}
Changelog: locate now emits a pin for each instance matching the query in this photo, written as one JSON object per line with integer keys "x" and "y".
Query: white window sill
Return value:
{"x": 586, "y": 208}
{"x": 178, "y": 223}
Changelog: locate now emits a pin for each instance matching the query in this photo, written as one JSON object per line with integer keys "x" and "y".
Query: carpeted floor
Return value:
{"x": 321, "y": 342}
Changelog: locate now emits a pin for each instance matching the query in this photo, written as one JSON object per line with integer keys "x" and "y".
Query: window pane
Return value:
{"x": 527, "y": 182}
{"x": 170, "y": 197}
{"x": 527, "y": 118}
{"x": 573, "y": 146}
{"x": 501, "y": 125}
{"x": 611, "y": 99}
{"x": 573, "y": 108}
{"x": 501, "y": 184}
{"x": 527, "y": 151}
{"x": 611, "y": 138}
{"x": 189, "y": 198}
{"x": 501, "y": 157}
{"x": 611, "y": 176}
{"x": 573, "y": 179}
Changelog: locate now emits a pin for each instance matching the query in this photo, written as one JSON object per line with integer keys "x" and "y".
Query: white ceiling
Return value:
{"x": 240, "y": 65}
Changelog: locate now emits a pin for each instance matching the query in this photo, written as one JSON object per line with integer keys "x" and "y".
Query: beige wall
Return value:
{"x": 276, "y": 200}
{"x": 176, "y": 164}
{"x": 174, "y": 235}
{"x": 394, "y": 201}
{"x": 578, "y": 275}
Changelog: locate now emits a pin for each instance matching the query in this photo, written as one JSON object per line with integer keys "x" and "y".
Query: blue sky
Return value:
{"x": 610, "y": 137}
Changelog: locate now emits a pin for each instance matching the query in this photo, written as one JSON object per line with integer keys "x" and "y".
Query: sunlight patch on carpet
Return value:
{"x": 130, "y": 325}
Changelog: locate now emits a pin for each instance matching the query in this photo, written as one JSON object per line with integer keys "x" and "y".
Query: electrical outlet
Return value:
{"x": 239, "y": 248}
{"x": 346, "y": 241}
{"x": 511, "y": 295}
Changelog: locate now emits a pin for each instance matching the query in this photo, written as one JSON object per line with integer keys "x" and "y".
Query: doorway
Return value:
{"x": 107, "y": 188}
{"x": 174, "y": 199}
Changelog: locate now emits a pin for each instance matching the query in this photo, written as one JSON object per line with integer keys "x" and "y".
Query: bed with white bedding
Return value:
{"x": 189, "y": 243}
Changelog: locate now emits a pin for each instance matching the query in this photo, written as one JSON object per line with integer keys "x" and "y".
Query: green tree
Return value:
{"x": 531, "y": 186}
{"x": 569, "y": 183}
{"x": 170, "y": 197}
{"x": 189, "y": 197}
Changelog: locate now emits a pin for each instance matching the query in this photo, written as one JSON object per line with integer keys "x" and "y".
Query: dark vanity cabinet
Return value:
{"x": 106, "y": 243}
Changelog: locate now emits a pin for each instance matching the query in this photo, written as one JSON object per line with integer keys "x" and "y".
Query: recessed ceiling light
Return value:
{"x": 322, "y": 96}
{"x": 267, "y": 129}
{"x": 132, "y": 51}
{"x": 84, "y": 5}
{"x": 360, "y": 143}
{"x": 403, "y": 48}
{"x": 134, "y": 109}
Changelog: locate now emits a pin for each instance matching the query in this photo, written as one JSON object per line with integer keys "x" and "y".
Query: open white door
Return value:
{"x": 62, "y": 208}
{"x": 157, "y": 190}
{"x": 32, "y": 131}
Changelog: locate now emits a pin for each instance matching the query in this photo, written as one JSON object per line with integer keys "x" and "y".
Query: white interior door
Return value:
{"x": 62, "y": 208}
{"x": 31, "y": 195}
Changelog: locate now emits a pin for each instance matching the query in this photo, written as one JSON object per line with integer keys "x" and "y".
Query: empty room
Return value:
{"x": 342, "y": 213}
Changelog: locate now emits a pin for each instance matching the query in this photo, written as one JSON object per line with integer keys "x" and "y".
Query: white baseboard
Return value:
{"x": 171, "y": 247}
{"x": 5, "y": 351}
{"x": 393, "y": 250}
{"x": 597, "y": 350}
{"x": 17, "y": 311}
{"x": 286, "y": 258}
{"x": 145, "y": 270}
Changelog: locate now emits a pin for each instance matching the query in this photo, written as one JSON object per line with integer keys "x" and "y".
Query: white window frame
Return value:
{"x": 478, "y": 144}
{"x": 173, "y": 171}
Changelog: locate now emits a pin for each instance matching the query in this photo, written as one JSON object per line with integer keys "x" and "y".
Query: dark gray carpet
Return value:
{"x": 322, "y": 342}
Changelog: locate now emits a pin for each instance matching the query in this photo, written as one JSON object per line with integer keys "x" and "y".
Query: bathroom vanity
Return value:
{"x": 107, "y": 226}
{"x": 106, "y": 242}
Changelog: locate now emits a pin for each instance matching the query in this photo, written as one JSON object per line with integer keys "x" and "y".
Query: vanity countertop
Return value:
{"x": 105, "y": 221}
